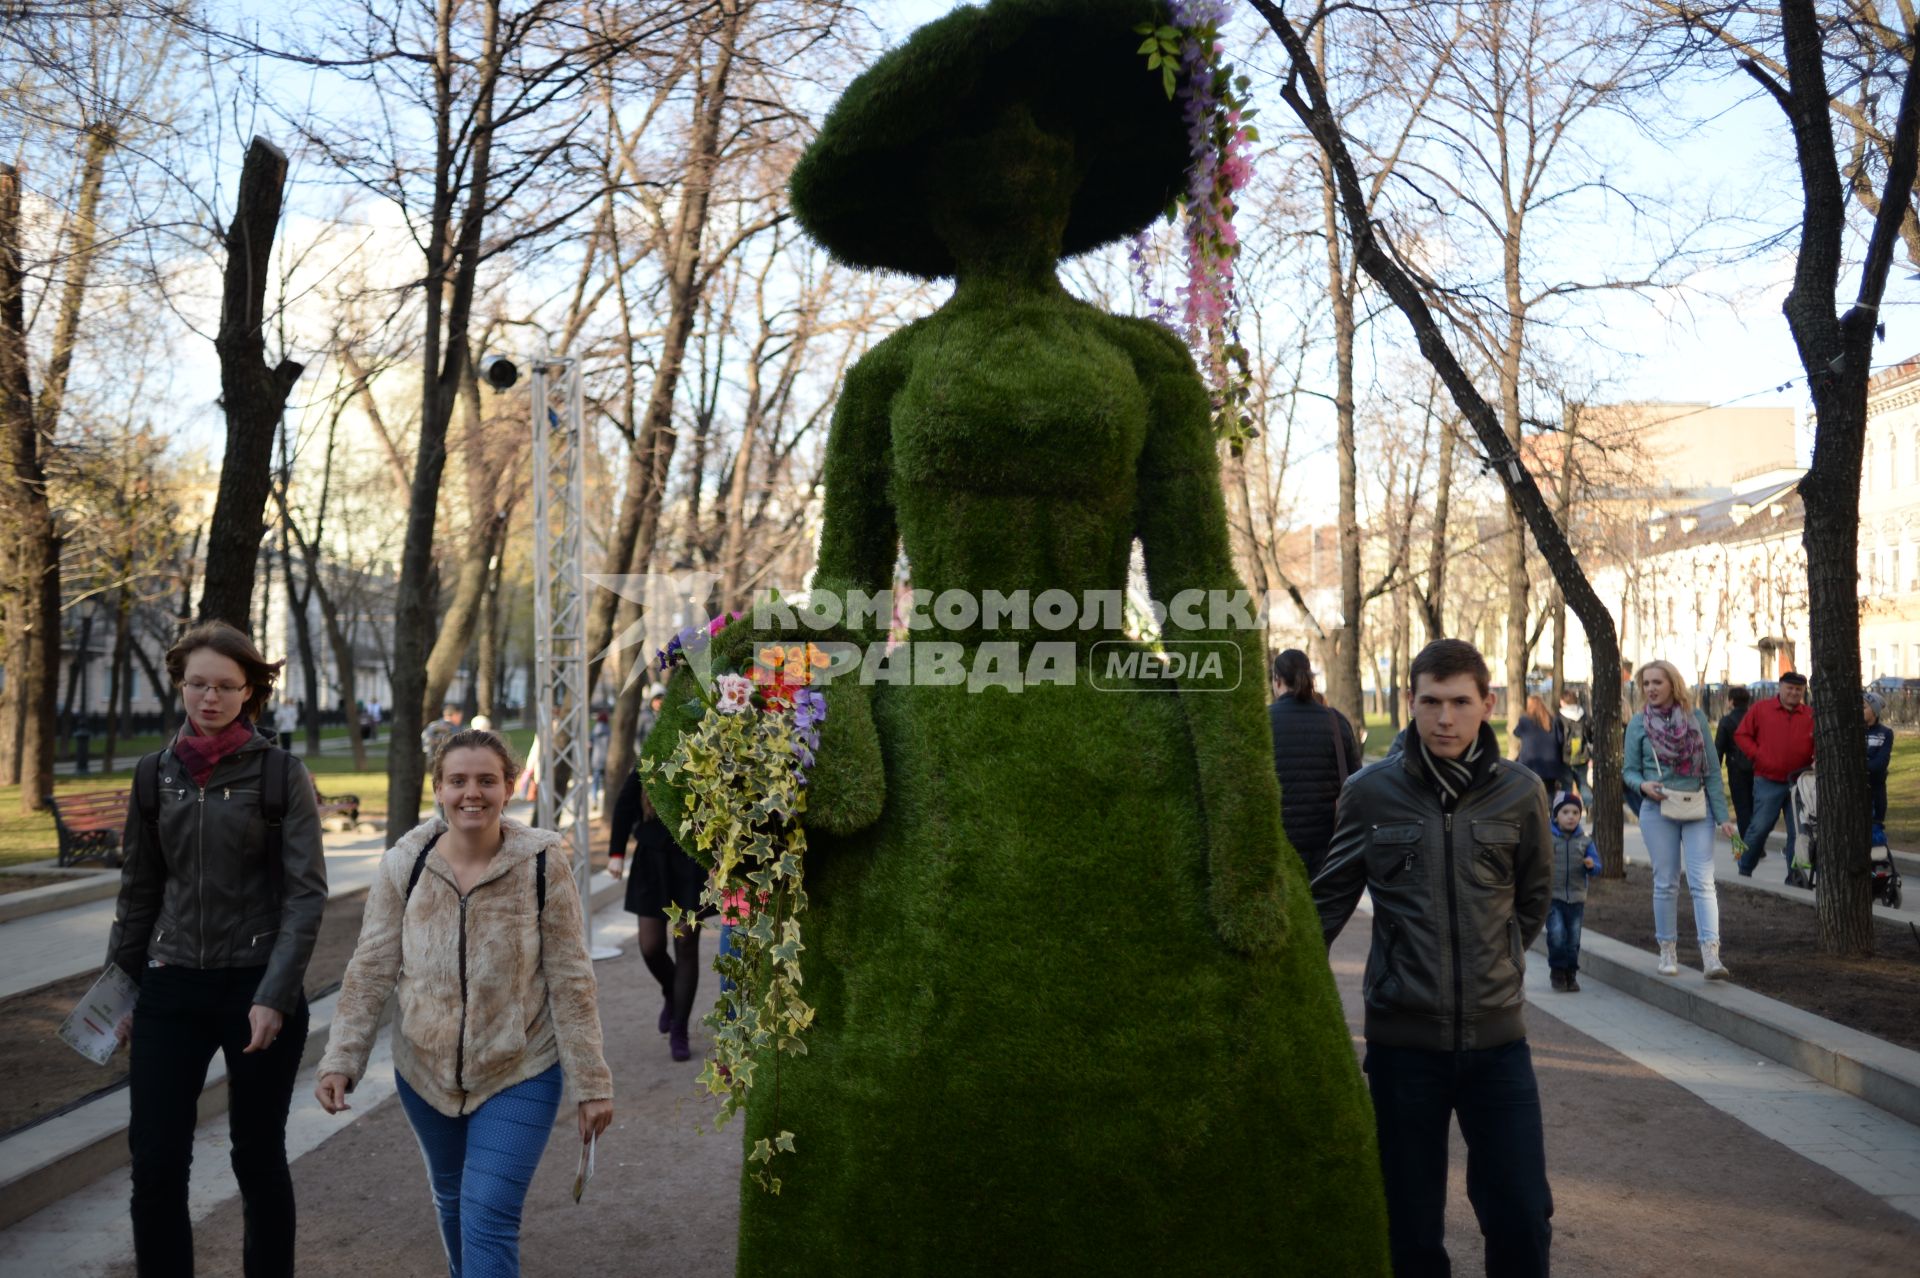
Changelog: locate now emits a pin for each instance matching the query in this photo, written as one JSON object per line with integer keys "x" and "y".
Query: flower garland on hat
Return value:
{"x": 1213, "y": 101}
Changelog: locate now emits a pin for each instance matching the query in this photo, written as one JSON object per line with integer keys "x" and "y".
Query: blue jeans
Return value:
{"x": 1674, "y": 847}
{"x": 1770, "y": 799}
{"x": 1416, "y": 1092}
{"x": 1563, "y": 935}
{"x": 480, "y": 1166}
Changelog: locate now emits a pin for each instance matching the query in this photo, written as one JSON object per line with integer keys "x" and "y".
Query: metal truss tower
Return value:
{"x": 561, "y": 709}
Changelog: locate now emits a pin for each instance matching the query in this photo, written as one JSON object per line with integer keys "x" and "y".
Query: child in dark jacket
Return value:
{"x": 1575, "y": 860}
{"x": 1879, "y": 755}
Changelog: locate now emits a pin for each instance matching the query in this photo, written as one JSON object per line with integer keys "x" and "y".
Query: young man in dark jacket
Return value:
{"x": 1452, "y": 843}
{"x": 1739, "y": 766}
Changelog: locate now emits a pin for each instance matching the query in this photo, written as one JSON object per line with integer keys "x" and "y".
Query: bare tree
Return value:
{"x": 1306, "y": 96}
{"x": 252, "y": 392}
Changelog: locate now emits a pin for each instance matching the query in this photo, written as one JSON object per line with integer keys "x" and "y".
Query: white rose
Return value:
{"x": 735, "y": 693}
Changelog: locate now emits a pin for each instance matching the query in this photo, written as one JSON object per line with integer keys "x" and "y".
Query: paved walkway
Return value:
{"x": 1771, "y": 873}
{"x": 1664, "y": 1141}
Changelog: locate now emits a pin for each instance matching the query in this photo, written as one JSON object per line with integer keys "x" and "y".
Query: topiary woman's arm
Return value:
{"x": 1181, "y": 521}
{"x": 847, "y": 786}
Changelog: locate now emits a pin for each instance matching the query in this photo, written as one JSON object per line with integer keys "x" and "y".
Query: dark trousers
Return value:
{"x": 1563, "y": 934}
{"x": 1740, "y": 790}
{"x": 1493, "y": 1092}
{"x": 183, "y": 1017}
{"x": 1877, "y": 790}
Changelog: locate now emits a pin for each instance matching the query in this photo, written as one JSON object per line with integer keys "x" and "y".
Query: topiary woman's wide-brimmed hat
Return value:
{"x": 856, "y": 190}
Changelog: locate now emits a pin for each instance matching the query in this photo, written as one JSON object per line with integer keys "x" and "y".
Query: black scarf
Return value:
{"x": 1452, "y": 778}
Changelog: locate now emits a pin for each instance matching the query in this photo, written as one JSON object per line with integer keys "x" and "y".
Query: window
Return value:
{"x": 1914, "y": 452}
{"x": 1894, "y": 581}
{"x": 1873, "y": 460}
{"x": 1873, "y": 659}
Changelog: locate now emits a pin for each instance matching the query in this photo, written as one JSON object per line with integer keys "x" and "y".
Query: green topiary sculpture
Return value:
{"x": 1074, "y": 1015}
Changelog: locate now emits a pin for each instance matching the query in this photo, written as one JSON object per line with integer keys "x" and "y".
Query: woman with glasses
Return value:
{"x": 220, "y": 902}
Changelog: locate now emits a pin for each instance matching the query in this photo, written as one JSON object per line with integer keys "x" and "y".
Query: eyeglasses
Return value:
{"x": 195, "y": 688}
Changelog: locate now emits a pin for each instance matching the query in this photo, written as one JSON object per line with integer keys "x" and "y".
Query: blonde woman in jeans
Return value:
{"x": 1670, "y": 751}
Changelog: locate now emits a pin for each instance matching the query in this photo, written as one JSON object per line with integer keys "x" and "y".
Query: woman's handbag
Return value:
{"x": 1679, "y": 806}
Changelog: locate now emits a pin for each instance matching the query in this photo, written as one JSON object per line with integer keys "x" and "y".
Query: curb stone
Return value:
{"x": 1876, "y": 1071}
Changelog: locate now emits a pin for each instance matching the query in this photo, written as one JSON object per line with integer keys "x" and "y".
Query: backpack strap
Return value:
{"x": 540, "y": 882}
{"x": 419, "y": 864}
{"x": 146, "y": 799}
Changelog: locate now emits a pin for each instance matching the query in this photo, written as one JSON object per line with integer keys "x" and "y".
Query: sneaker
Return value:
{"x": 677, "y": 1044}
{"x": 1669, "y": 959}
{"x": 1710, "y": 965}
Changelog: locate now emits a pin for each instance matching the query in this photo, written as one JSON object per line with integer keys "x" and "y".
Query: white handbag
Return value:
{"x": 1679, "y": 806}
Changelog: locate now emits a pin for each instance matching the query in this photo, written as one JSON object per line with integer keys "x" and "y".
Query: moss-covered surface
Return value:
{"x": 1074, "y": 1011}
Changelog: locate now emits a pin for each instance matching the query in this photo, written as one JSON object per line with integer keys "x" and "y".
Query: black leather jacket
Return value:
{"x": 1457, "y": 899}
{"x": 204, "y": 898}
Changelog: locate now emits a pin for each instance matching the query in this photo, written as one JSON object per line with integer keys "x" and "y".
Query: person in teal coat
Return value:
{"x": 1670, "y": 756}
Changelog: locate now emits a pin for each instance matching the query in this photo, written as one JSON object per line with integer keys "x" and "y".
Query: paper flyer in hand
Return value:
{"x": 585, "y": 1174}
{"x": 88, "y": 1029}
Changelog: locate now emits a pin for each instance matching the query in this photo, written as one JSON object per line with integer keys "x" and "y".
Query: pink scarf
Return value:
{"x": 1676, "y": 738}
{"x": 200, "y": 754}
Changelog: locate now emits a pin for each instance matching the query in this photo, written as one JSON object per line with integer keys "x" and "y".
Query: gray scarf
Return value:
{"x": 1451, "y": 777}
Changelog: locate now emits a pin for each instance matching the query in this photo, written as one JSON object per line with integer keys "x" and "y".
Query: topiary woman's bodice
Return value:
{"x": 1016, "y": 432}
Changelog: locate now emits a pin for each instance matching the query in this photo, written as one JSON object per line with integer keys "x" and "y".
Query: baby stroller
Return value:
{"x": 1804, "y": 872}
{"x": 1885, "y": 874}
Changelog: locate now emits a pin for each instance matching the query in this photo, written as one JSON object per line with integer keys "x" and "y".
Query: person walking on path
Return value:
{"x": 1453, "y": 844}
{"x": 661, "y": 875}
{"x": 1575, "y": 860}
{"x": 221, "y": 895}
{"x": 1879, "y": 756}
{"x": 1670, "y": 761}
{"x": 1314, "y": 752}
{"x": 1537, "y": 745}
{"x": 1777, "y": 734}
{"x": 1739, "y": 766}
{"x": 475, "y": 922}
{"x": 1576, "y": 750}
{"x": 436, "y": 733}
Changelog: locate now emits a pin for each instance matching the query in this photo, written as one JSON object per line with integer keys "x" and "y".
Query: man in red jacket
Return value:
{"x": 1777, "y": 735}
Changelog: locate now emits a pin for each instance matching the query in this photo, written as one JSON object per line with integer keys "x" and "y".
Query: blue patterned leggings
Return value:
{"x": 480, "y": 1166}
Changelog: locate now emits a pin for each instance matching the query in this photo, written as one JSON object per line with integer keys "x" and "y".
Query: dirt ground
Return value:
{"x": 21, "y": 882}
{"x": 1643, "y": 1173}
{"x": 1772, "y": 946}
{"x": 43, "y": 1073}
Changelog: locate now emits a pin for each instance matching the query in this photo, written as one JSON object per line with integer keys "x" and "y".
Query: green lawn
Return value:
{"x": 1903, "y": 792}
{"x": 1380, "y": 734}
{"x": 31, "y": 837}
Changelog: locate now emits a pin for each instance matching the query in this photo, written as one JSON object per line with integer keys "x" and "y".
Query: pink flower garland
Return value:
{"x": 1192, "y": 64}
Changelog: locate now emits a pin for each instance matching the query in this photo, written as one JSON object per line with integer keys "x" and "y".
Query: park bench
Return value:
{"x": 89, "y": 825}
{"x": 341, "y": 805}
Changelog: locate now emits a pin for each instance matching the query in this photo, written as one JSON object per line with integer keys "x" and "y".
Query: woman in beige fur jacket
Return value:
{"x": 496, "y": 1001}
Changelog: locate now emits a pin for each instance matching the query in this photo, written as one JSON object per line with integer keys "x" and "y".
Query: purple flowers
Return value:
{"x": 809, "y": 710}
{"x": 692, "y": 640}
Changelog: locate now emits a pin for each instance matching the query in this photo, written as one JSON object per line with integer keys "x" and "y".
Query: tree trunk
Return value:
{"x": 162, "y": 686}
{"x": 85, "y": 243}
{"x": 486, "y": 662}
{"x": 117, "y": 672}
{"x": 453, "y": 263}
{"x": 1837, "y": 354}
{"x": 252, "y": 394}
{"x": 30, "y": 574}
{"x": 1564, "y": 512}
{"x": 303, "y": 636}
{"x": 1434, "y": 610}
{"x": 485, "y": 525}
{"x": 651, "y": 459}
{"x": 1313, "y": 110}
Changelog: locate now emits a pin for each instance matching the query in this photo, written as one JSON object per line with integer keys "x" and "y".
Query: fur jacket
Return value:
{"x": 492, "y": 991}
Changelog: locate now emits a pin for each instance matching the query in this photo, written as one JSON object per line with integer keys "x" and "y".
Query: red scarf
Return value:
{"x": 200, "y": 754}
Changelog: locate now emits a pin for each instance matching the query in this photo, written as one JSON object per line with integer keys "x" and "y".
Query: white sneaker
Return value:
{"x": 1710, "y": 965}
{"x": 1669, "y": 959}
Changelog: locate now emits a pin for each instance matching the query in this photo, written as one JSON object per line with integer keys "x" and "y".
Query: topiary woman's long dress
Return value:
{"x": 1074, "y": 1013}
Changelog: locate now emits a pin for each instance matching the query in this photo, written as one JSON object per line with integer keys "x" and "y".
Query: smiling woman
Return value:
{"x": 475, "y": 922}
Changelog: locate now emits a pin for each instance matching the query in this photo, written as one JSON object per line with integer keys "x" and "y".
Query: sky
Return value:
{"x": 1728, "y": 341}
